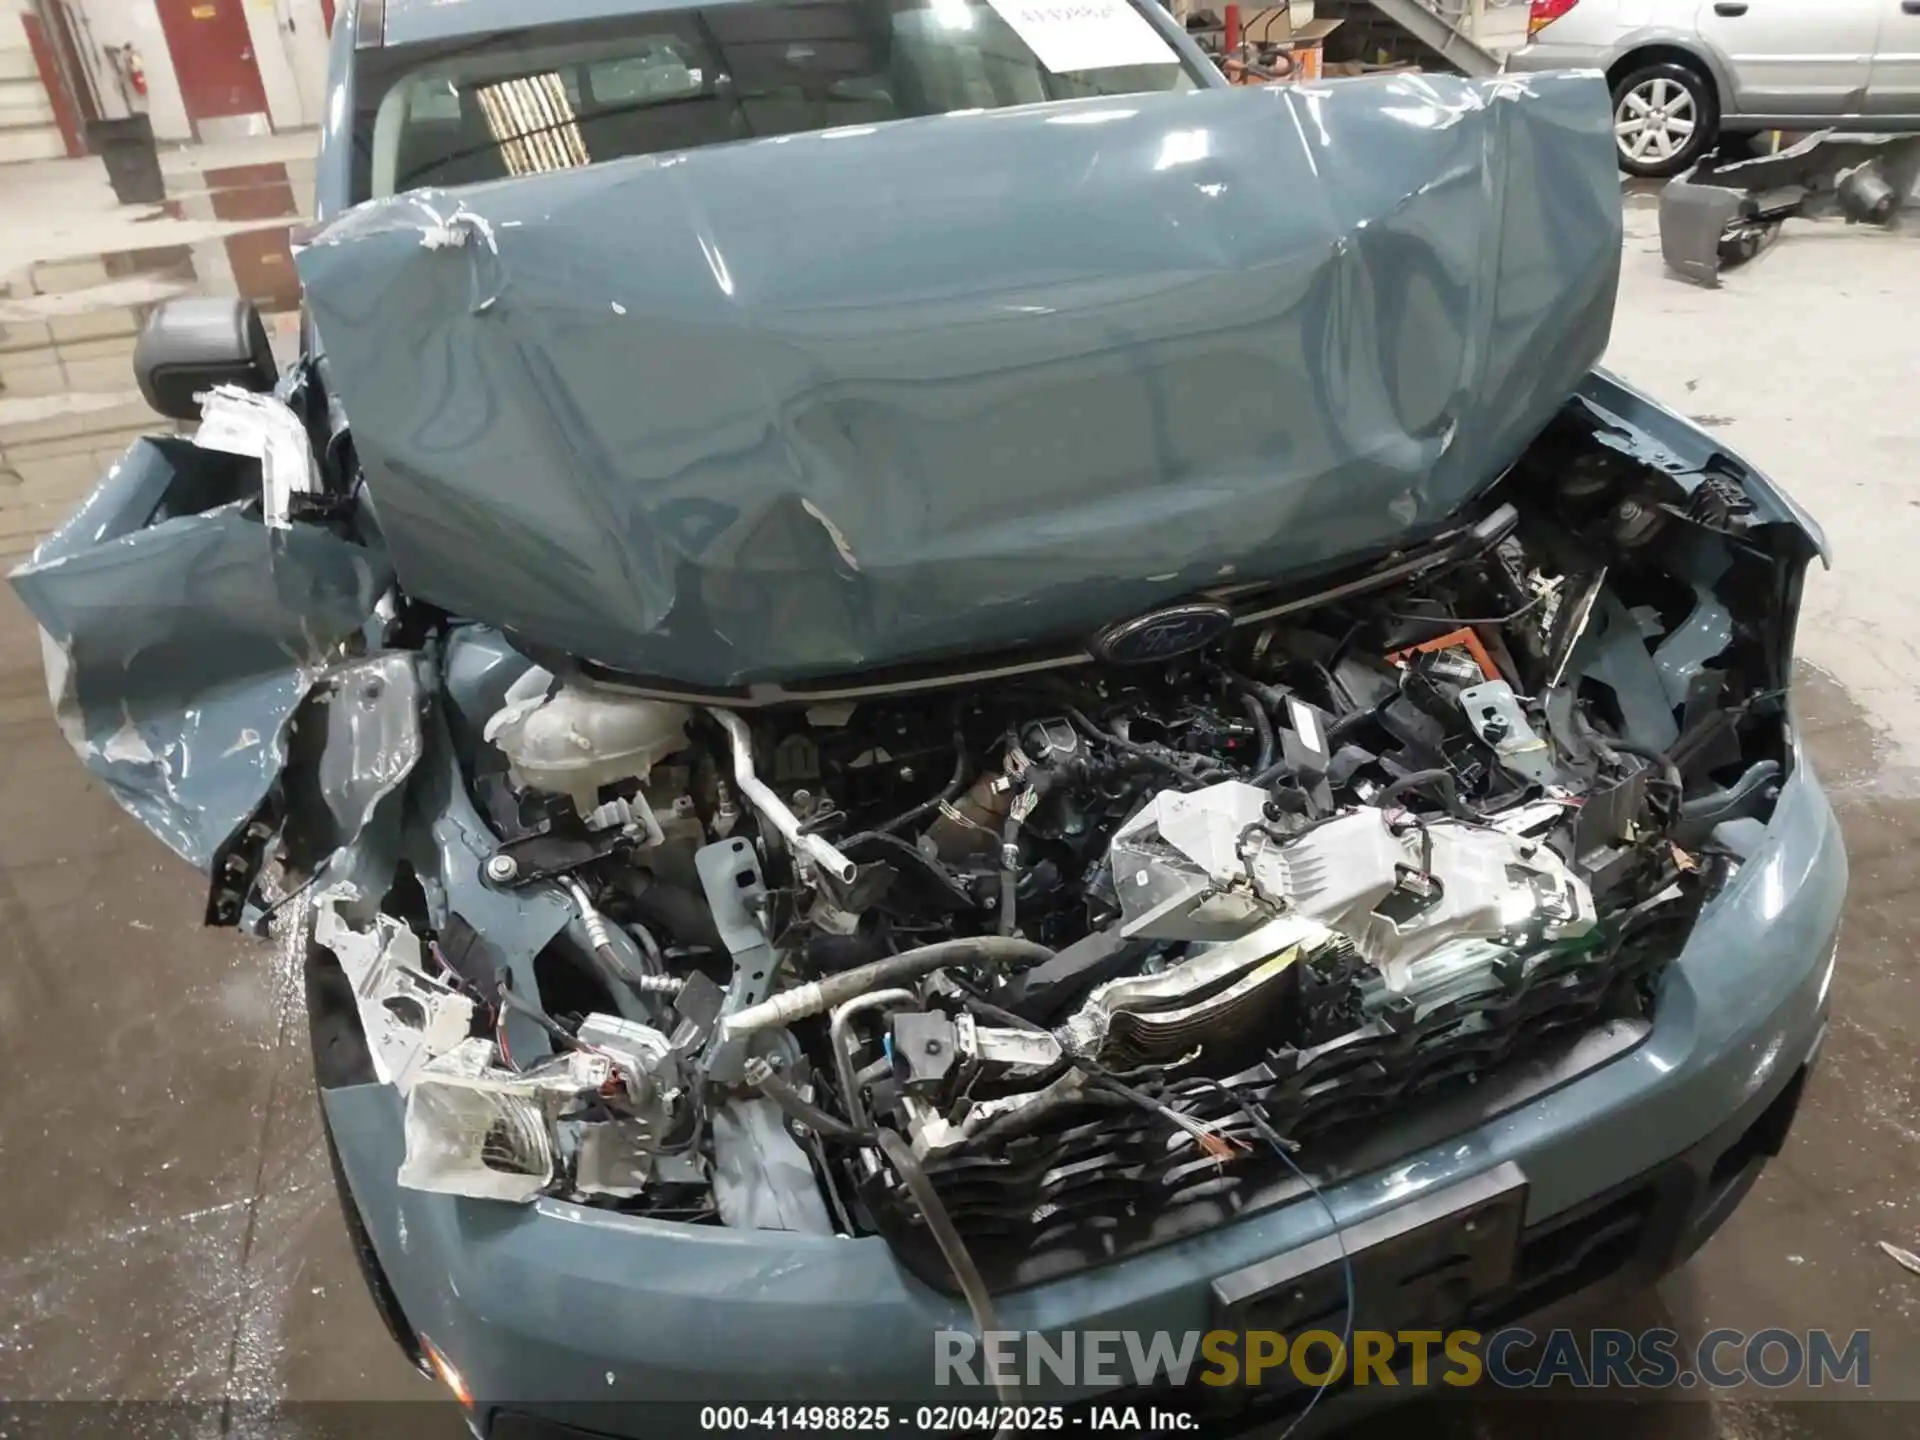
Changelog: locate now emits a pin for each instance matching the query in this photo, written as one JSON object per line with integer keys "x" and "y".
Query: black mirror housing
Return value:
{"x": 193, "y": 343}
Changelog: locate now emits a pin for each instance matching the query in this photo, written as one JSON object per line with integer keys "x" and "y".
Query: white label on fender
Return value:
{"x": 1070, "y": 35}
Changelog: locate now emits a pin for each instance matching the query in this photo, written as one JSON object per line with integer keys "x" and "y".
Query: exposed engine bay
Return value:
{"x": 1064, "y": 951}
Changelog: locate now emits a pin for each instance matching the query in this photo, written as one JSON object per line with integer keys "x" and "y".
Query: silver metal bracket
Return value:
{"x": 736, "y": 894}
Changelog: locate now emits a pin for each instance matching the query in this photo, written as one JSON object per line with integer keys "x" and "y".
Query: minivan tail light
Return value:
{"x": 1542, "y": 13}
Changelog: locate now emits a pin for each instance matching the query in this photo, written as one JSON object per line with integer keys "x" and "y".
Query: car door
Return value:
{"x": 1893, "y": 88}
{"x": 1794, "y": 57}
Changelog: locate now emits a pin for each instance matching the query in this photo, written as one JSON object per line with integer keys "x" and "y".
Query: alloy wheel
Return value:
{"x": 1655, "y": 120}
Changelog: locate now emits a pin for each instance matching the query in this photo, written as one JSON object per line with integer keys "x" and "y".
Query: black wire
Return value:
{"x": 540, "y": 1017}
{"x": 1419, "y": 779}
{"x": 268, "y": 912}
{"x": 979, "y": 1002}
{"x": 649, "y": 946}
{"x": 1279, "y": 1145}
{"x": 1099, "y": 1074}
{"x": 1457, "y": 620}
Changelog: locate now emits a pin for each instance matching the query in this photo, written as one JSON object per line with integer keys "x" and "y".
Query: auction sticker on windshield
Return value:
{"x": 1070, "y": 35}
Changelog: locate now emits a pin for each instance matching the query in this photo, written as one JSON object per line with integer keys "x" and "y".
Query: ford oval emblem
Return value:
{"x": 1162, "y": 634}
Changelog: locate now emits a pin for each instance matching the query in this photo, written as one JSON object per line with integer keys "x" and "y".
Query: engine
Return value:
{"x": 1080, "y": 949}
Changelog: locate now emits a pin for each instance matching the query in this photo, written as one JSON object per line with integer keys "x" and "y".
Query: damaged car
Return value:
{"x": 973, "y": 691}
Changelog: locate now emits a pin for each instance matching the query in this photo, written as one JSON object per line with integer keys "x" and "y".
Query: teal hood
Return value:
{"x": 806, "y": 406}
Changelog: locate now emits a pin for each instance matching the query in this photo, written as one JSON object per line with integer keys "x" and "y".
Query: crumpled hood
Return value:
{"x": 808, "y": 405}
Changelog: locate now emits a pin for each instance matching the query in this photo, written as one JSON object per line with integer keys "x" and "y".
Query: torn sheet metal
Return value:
{"x": 785, "y": 408}
{"x": 188, "y": 635}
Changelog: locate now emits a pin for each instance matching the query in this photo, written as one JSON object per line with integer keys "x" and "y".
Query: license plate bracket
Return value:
{"x": 1420, "y": 1266}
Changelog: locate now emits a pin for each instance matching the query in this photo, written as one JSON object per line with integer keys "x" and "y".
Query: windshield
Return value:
{"x": 562, "y": 96}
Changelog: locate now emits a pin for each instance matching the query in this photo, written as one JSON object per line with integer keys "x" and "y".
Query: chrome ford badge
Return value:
{"x": 1161, "y": 634}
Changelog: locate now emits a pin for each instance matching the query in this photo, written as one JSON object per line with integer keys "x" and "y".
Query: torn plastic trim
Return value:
{"x": 475, "y": 1131}
{"x": 1721, "y": 213}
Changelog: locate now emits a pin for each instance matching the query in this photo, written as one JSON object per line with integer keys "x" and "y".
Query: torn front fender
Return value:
{"x": 794, "y": 407}
{"x": 182, "y": 635}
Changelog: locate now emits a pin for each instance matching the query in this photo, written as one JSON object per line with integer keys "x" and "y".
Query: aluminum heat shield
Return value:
{"x": 1205, "y": 864}
{"x": 1158, "y": 1017}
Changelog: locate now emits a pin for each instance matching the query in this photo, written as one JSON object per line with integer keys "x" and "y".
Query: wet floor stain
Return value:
{"x": 69, "y": 404}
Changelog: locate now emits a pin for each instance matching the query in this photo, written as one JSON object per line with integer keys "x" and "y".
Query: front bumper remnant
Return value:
{"x": 1720, "y": 213}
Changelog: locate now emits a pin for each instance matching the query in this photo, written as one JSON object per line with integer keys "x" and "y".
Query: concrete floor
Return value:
{"x": 172, "y": 1232}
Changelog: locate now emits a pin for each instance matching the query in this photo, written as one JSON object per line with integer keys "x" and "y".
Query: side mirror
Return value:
{"x": 193, "y": 343}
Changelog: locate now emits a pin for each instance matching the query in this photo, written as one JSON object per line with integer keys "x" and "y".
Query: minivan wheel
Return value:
{"x": 1664, "y": 116}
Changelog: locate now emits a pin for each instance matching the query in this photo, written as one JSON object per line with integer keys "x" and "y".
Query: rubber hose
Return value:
{"x": 1271, "y": 696}
{"x": 797, "y": 1107}
{"x": 1262, "y": 727}
{"x": 961, "y": 778}
{"x": 1145, "y": 752}
{"x": 677, "y": 911}
{"x": 649, "y": 947}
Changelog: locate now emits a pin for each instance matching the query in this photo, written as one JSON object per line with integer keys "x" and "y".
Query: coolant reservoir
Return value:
{"x": 582, "y": 737}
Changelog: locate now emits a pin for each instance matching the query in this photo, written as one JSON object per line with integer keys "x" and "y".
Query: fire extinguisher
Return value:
{"x": 129, "y": 74}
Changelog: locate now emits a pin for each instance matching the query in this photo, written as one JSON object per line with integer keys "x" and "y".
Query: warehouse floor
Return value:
{"x": 172, "y": 1232}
